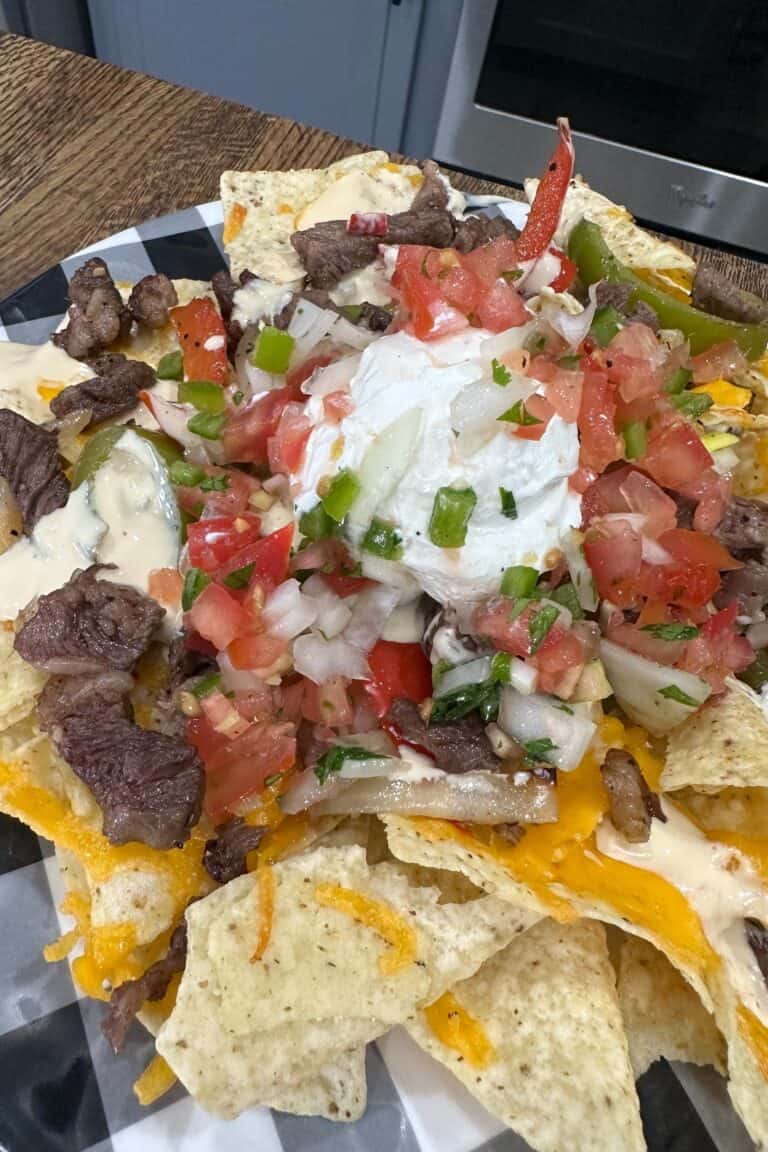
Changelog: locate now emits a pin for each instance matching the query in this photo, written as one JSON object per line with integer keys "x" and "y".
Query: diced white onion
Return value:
{"x": 307, "y": 790}
{"x": 538, "y": 717}
{"x": 369, "y": 615}
{"x": 572, "y": 328}
{"x": 472, "y": 672}
{"x": 364, "y": 769}
{"x": 510, "y": 341}
{"x": 476, "y": 409}
{"x": 287, "y": 612}
{"x": 333, "y": 614}
{"x": 320, "y": 660}
{"x": 538, "y": 273}
{"x": 637, "y": 682}
{"x": 406, "y": 624}
{"x": 522, "y": 677}
{"x": 333, "y": 378}
{"x": 572, "y": 543}
{"x": 309, "y": 325}
{"x": 383, "y": 466}
{"x": 355, "y": 335}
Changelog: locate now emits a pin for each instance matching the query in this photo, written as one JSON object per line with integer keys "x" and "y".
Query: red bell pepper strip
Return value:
{"x": 203, "y": 340}
{"x": 543, "y": 217}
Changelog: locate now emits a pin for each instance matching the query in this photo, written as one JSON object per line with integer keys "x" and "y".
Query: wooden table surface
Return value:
{"x": 87, "y": 149}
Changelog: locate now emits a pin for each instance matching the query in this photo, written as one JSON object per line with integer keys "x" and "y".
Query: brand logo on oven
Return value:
{"x": 687, "y": 199}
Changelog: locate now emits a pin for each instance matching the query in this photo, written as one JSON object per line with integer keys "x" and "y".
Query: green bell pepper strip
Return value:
{"x": 595, "y": 261}
{"x": 635, "y": 439}
{"x": 207, "y": 424}
{"x": 168, "y": 450}
{"x": 316, "y": 524}
{"x": 451, "y": 512}
{"x": 95, "y": 453}
{"x": 171, "y": 366}
{"x": 519, "y": 581}
{"x": 202, "y": 394}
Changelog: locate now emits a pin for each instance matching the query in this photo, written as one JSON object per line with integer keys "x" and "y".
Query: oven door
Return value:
{"x": 667, "y": 102}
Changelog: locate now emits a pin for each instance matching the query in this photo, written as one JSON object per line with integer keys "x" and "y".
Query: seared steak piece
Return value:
{"x": 111, "y": 392}
{"x": 88, "y": 626}
{"x": 151, "y": 300}
{"x": 458, "y": 746}
{"x": 475, "y": 231}
{"x": 713, "y": 292}
{"x": 433, "y": 193}
{"x": 224, "y": 856}
{"x": 374, "y": 318}
{"x": 747, "y": 585}
{"x": 757, "y": 938}
{"x": 610, "y": 295}
{"x": 632, "y": 803}
{"x": 224, "y": 288}
{"x": 29, "y": 461}
{"x": 149, "y": 786}
{"x": 329, "y": 252}
{"x": 127, "y": 1000}
{"x": 744, "y": 527}
{"x": 97, "y": 315}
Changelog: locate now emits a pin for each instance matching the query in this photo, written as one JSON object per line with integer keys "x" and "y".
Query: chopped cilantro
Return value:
{"x": 335, "y": 758}
{"x": 540, "y": 624}
{"x": 508, "y": 505}
{"x": 672, "y": 692}
{"x": 671, "y": 631}
{"x": 537, "y": 751}
{"x": 500, "y": 373}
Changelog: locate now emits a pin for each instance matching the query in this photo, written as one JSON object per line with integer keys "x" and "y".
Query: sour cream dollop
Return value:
{"x": 402, "y": 394}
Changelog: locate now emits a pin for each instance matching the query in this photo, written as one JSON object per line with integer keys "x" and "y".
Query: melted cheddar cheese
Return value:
{"x": 457, "y": 1029}
{"x": 156, "y": 1079}
{"x": 265, "y": 886}
{"x": 233, "y": 225}
{"x": 375, "y": 914}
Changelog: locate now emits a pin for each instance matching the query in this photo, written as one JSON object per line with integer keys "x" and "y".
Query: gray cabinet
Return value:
{"x": 344, "y": 65}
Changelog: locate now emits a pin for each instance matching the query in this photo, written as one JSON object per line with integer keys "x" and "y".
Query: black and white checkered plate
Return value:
{"x": 62, "y": 1089}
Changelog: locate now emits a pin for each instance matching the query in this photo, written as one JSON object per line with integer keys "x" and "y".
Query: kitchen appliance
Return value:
{"x": 666, "y": 100}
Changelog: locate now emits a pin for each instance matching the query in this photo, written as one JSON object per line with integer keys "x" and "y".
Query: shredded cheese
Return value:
{"x": 156, "y": 1079}
{"x": 48, "y": 390}
{"x": 401, "y": 937}
{"x": 724, "y": 393}
{"x": 457, "y": 1029}
{"x": 265, "y": 886}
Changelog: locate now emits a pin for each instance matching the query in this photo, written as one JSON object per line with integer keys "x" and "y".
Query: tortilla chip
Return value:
{"x": 662, "y": 1014}
{"x": 20, "y": 683}
{"x": 748, "y": 1079}
{"x": 629, "y": 243}
{"x": 262, "y": 211}
{"x": 724, "y": 744}
{"x": 337, "y": 1091}
{"x": 721, "y": 416}
{"x": 558, "y": 1069}
{"x": 240, "y": 1029}
{"x": 741, "y": 811}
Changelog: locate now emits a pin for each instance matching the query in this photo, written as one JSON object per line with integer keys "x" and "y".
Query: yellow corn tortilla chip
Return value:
{"x": 20, "y": 683}
{"x": 747, "y": 1074}
{"x": 662, "y": 1014}
{"x": 240, "y": 1029}
{"x": 741, "y": 811}
{"x": 721, "y": 416}
{"x": 724, "y": 744}
{"x": 629, "y": 243}
{"x": 263, "y": 209}
{"x": 557, "y": 1068}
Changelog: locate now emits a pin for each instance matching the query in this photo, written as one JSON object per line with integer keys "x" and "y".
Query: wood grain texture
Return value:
{"x": 87, "y": 149}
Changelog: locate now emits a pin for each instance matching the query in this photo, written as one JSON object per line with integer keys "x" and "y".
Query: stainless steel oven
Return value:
{"x": 668, "y": 101}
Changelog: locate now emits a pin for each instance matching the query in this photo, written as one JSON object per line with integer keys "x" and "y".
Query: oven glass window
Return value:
{"x": 685, "y": 78}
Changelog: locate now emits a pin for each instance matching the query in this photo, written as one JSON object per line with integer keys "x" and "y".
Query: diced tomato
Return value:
{"x": 688, "y": 586}
{"x": 461, "y": 289}
{"x": 600, "y": 445}
{"x": 489, "y": 262}
{"x": 718, "y": 651}
{"x": 604, "y": 495}
{"x": 721, "y": 360}
{"x": 285, "y": 450}
{"x": 494, "y": 621}
{"x": 235, "y": 497}
{"x": 562, "y": 386}
{"x": 237, "y": 769}
{"x": 165, "y": 585}
{"x": 501, "y": 308}
{"x": 646, "y": 498}
{"x": 634, "y": 361}
{"x": 544, "y": 215}
{"x": 559, "y": 660}
{"x": 344, "y": 584}
{"x": 214, "y": 541}
{"x": 712, "y": 492}
{"x": 269, "y": 557}
{"x": 632, "y": 636}
{"x": 567, "y": 274}
{"x": 337, "y": 405}
{"x": 614, "y": 552}
{"x": 257, "y": 703}
{"x": 197, "y": 324}
{"x": 254, "y": 650}
{"x": 696, "y": 548}
{"x": 675, "y": 455}
{"x": 218, "y": 616}
{"x": 327, "y": 703}
{"x": 398, "y": 671}
{"x": 223, "y": 716}
{"x": 246, "y": 434}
